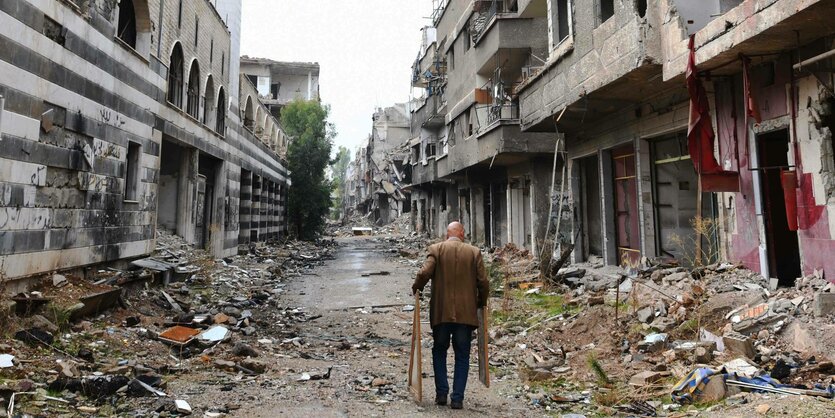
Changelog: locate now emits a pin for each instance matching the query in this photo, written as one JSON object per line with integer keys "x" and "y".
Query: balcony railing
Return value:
{"x": 438, "y": 8}
{"x": 502, "y": 112}
{"x": 485, "y": 12}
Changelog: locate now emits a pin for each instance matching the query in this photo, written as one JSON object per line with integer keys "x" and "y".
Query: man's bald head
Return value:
{"x": 455, "y": 229}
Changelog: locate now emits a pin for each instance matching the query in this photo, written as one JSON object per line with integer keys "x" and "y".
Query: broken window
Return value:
{"x": 127, "y": 23}
{"x": 606, "y": 9}
{"x": 175, "y": 77}
{"x": 132, "y": 171}
{"x": 193, "y": 107}
{"x": 560, "y": 21}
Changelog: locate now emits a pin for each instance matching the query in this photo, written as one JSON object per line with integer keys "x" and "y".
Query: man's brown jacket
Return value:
{"x": 459, "y": 282}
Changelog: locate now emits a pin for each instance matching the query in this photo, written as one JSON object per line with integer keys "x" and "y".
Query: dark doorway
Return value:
{"x": 207, "y": 172}
{"x": 626, "y": 206}
{"x": 591, "y": 213}
{"x": 782, "y": 243}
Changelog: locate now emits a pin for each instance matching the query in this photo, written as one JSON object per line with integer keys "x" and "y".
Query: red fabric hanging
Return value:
{"x": 700, "y": 131}
{"x": 750, "y": 102}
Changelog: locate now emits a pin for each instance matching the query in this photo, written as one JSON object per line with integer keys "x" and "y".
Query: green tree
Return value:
{"x": 339, "y": 167}
{"x": 308, "y": 156}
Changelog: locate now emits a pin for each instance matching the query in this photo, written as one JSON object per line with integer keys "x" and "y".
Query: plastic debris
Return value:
{"x": 6, "y": 361}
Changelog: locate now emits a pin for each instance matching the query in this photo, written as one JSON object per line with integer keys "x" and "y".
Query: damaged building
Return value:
{"x": 122, "y": 118}
{"x": 470, "y": 159}
{"x": 379, "y": 172}
{"x": 757, "y": 166}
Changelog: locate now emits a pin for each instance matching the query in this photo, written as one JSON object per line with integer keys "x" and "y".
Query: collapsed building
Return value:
{"x": 121, "y": 118}
{"x": 603, "y": 83}
{"x": 376, "y": 177}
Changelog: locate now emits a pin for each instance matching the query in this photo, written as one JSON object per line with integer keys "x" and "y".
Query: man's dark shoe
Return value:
{"x": 440, "y": 400}
{"x": 456, "y": 404}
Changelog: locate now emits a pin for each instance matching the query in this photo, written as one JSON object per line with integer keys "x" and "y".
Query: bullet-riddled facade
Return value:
{"x": 117, "y": 120}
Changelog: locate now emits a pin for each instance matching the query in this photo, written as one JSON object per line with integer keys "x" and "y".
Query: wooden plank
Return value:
{"x": 483, "y": 339}
{"x": 415, "y": 357}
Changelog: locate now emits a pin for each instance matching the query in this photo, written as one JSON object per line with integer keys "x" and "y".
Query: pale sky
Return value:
{"x": 365, "y": 49}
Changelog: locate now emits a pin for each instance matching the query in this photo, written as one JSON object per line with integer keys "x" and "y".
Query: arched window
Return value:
{"x": 209, "y": 102}
{"x": 259, "y": 122}
{"x": 175, "y": 76}
{"x": 193, "y": 107}
{"x": 134, "y": 25}
{"x": 249, "y": 117}
{"x": 220, "y": 118}
{"x": 127, "y": 23}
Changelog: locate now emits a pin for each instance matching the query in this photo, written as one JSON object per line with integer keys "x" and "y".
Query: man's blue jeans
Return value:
{"x": 461, "y": 336}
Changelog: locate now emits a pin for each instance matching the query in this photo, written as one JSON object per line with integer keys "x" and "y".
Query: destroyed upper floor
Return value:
{"x": 607, "y": 55}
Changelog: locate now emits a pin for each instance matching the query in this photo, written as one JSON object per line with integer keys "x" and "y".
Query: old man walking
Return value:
{"x": 459, "y": 288}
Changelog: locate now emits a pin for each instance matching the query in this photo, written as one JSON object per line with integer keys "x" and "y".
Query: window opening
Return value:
{"x": 132, "y": 171}
{"x": 607, "y": 9}
{"x": 193, "y": 107}
{"x": 641, "y": 5}
{"x": 127, "y": 23}
{"x": 175, "y": 77}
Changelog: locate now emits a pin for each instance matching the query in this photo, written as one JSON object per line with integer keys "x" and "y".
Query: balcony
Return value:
{"x": 430, "y": 115}
{"x": 422, "y": 174}
{"x": 508, "y": 40}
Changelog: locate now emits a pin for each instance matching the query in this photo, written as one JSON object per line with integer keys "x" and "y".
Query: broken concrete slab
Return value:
{"x": 824, "y": 304}
{"x": 738, "y": 344}
{"x": 646, "y": 378}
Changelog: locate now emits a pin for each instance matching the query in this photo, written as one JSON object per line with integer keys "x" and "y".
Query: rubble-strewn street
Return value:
{"x": 275, "y": 331}
{"x": 580, "y": 208}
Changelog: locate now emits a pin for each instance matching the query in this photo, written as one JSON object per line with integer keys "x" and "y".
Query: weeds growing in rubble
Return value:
{"x": 597, "y": 369}
{"x": 705, "y": 230}
{"x": 59, "y": 316}
{"x": 552, "y": 304}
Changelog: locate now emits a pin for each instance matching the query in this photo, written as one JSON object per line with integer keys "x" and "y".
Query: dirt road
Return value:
{"x": 362, "y": 334}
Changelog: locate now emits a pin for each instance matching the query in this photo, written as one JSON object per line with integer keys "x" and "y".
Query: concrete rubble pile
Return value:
{"x": 160, "y": 318}
{"x": 575, "y": 354}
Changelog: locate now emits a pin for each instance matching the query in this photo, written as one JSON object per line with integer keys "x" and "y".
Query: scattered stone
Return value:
{"x": 824, "y": 304}
{"x": 763, "y": 408}
{"x": 739, "y": 344}
{"x": 59, "y": 280}
{"x": 645, "y": 314}
{"x": 225, "y": 364}
{"x": 38, "y": 321}
{"x": 256, "y": 366}
{"x": 701, "y": 355}
{"x": 182, "y": 407}
{"x": 645, "y": 378}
